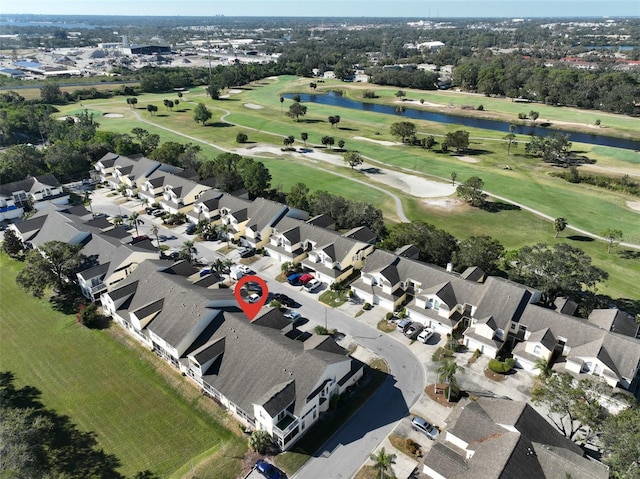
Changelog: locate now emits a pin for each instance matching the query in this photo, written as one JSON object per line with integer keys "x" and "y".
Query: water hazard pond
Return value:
{"x": 334, "y": 99}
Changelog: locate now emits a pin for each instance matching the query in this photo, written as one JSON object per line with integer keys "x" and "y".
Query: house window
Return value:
{"x": 597, "y": 369}
{"x": 537, "y": 350}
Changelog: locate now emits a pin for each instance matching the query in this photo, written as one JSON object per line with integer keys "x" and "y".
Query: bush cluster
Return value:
{"x": 502, "y": 367}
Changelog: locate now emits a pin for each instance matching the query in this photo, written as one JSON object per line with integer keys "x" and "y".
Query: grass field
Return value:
{"x": 527, "y": 181}
{"x": 141, "y": 411}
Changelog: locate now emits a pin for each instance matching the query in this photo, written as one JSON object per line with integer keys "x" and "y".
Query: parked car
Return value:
{"x": 244, "y": 269}
{"x": 423, "y": 426}
{"x": 149, "y": 210}
{"x": 253, "y": 298}
{"x": 158, "y": 213}
{"x": 268, "y": 470}
{"x": 253, "y": 286}
{"x": 138, "y": 239}
{"x": 284, "y": 299}
{"x": 294, "y": 279}
{"x": 425, "y": 335}
{"x": 403, "y": 324}
{"x": 312, "y": 285}
{"x": 190, "y": 229}
{"x": 292, "y": 315}
{"x": 305, "y": 278}
{"x": 245, "y": 251}
{"x": 413, "y": 330}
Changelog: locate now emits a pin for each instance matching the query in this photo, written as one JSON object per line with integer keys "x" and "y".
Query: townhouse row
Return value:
{"x": 494, "y": 314}
{"x": 259, "y": 370}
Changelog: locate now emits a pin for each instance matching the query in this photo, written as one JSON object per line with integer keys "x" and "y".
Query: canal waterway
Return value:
{"x": 334, "y": 99}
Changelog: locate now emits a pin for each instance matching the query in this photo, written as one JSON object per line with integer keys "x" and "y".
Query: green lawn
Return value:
{"x": 528, "y": 180}
{"x": 140, "y": 410}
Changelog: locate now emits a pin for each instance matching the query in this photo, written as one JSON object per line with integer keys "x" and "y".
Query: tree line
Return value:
{"x": 517, "y": 77}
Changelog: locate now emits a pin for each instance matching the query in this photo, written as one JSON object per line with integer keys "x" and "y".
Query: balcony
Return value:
{"x": 97, "y": 289}
{"x": 285, "y": 426}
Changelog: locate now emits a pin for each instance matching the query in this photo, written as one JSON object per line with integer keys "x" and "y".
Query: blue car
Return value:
{"x": 294, "y": 279}
{"x": 268, "y": 470}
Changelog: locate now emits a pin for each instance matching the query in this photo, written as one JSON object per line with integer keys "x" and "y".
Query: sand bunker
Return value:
{"x": 634, "y": 205}
{"x": 253, "y": 106}
{"x": 425, "y": 103}
{"x": 379, "y": 142}
{"x": 413, "y": 185}
{"x": 233, "y": 91}
{"x": 112, "y": 115}
{"x": 466, "y": 159}
{"x": 444, "y": 203}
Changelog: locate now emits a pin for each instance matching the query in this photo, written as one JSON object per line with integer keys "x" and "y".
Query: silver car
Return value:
{"x": 421, "y": 425}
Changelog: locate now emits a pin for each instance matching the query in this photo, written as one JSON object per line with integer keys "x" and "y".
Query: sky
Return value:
{"x": 330, "y": 8}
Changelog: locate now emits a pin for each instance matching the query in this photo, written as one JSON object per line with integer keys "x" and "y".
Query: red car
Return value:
{"x": 305, "y": 278}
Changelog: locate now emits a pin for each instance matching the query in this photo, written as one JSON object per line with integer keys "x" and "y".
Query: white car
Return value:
{"x": 244, "y": 269}
{"x": 425, "y": 335}
{"x": 253, "y": 298}
{"x": 312, "y": 285}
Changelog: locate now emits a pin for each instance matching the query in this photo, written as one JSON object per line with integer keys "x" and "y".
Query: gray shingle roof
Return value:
{"x": 509, "y": 440}
{"x": 623, "y": 351}
{"x": 614, "y": 320}
{"x": 257, "y": 356}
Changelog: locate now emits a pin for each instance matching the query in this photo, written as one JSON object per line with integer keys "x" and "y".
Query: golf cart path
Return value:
{"x": 405, "y": 181}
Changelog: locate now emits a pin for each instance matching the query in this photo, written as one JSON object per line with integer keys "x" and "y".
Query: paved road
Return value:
{"x": 347, "y": 450}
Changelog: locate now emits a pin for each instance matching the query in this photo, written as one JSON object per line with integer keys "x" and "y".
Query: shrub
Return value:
{"x": 480, "y": 107}
{"x": 502, "y": 367}
{"x": 259, "y": 441}
{"x": 388, "y": 316}
{"x": 241, "y": 138}
{"x": 88, "y": 315}
{"x": 366, "y": 306}
{"x": 321, "y": 330}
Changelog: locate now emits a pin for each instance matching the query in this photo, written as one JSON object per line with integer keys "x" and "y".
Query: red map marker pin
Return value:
{"x": 251, "y": 309}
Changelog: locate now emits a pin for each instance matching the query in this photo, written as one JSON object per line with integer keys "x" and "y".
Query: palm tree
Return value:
{"x": 188, "y": 250}
{"x": 223, "y": 229}
{"x": 559, "y": 224}
{"x": 383, "y": 461}
{"x": 154, "y": 230}
{"x": 447, "y": 374}
{"x": 134, "y": 220}
{"x": 544, "y": 367}
{"x": 511, "y": 139}
{"x": 117, "y": 221}
{"x": 454, "y": 175}
{"x": 88, "y": 201}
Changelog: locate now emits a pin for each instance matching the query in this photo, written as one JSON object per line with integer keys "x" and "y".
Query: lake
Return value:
{"x": 333, "y": 99}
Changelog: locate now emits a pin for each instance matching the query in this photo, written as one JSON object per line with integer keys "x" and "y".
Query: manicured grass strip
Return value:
{"x": 124, "y": 395}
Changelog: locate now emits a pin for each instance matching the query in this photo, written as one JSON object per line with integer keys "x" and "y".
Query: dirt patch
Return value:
{"x": 253, "y": 106}
{"x": 634, "y": 205}
{"x": 379, "y": 142}
{"x": 494, "y": 376}
{"x": 436, "y": 392}
{"x": 112, "y": 115}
